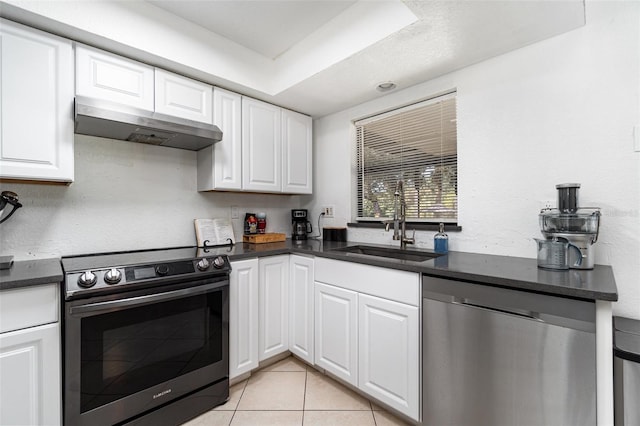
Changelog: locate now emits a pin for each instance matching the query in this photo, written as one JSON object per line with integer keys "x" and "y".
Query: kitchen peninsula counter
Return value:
{"x": 502, "y": 271}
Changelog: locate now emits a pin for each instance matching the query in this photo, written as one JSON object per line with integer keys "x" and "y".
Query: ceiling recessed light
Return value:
{"x": 386, "y": 86}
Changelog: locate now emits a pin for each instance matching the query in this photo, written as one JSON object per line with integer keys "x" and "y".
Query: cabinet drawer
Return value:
{"x": 28, "y": 307}
{"x": 392, "y": 284}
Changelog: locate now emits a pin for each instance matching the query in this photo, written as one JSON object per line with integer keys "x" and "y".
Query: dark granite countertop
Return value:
{"x": 31, "y": 272}
{"x": 502, "y": 271}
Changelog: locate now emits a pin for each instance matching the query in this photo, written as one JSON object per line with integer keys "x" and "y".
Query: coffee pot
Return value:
{"x": 300, "y": 225}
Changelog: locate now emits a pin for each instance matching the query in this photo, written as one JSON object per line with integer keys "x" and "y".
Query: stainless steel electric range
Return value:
{"x": 145, "y": 336}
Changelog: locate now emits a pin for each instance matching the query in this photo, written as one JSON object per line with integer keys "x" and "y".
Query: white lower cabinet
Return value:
{"x": 388, "y": 352}
{"x": 301, "y": 341}
{"x": 30, "y": 368}
{"x": 30, "y": 365}
{"x": 360, "y": 323}
{"x": 274, "y": 302}
{"x": 258, "y": 312}
{"x": 367, "y": 330}
{"x": 243, "y": 317}
{"x": 336, "y": 331}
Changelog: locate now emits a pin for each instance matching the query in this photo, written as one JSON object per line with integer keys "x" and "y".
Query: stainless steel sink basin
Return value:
{"x": 395, "y": 253}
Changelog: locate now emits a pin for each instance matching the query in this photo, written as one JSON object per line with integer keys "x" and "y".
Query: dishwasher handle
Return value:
{"x": 496, "y": 308}
{"x": 527, "y": 305}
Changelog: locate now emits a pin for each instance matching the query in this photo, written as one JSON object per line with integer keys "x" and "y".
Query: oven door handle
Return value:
{"x": 144, "y": 300}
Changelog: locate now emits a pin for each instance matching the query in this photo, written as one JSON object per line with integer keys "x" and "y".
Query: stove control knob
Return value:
{"x": 203, "y": 264}
{"x": 87, "y": 279}
{"x": 218, "y": 262}
{"x": 113, "y": 276}
{"x": 162, "y": 269}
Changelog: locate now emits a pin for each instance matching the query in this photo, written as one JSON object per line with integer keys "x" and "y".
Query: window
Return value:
{"x": 418, "y": 145}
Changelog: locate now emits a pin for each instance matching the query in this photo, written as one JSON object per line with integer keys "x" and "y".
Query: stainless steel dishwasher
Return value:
{"x": 626, "y": 371}
{"x": 495, "y": 356}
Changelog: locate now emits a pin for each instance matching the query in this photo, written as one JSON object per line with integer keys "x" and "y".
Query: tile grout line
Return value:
{"x": 244, "y": 389}
{"x": 304, "y": 410}
{"x": 304, "y": 398}
{"x": 375, "y": 423}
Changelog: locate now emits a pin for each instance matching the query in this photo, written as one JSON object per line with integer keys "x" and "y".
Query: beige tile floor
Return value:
{"x": 291, "y": 393}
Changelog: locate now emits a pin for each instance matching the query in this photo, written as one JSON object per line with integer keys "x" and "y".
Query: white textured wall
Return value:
{"x": 126, "y": 196}
{"x": 561, "y": 110}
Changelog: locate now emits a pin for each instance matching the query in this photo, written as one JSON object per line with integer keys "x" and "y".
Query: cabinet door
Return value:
{"x": 388, "y": 353}
{"x": 336, "y": 331}
{"x": 301, "y": 307}
{"x": 109, "y": 77}
{"x": 36, "y": 108}
{"x": 261, "y": 146}
{"x": 220, "y": 165}
{"x": 183, "y": 97}
{"x": 274, "y": 303}
{"x": 297, "y": 153}
{"x": 30, "y": 389}
{"x": 243, "y": 317}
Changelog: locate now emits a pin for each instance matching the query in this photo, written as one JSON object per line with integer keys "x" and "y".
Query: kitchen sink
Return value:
{"x": 389, "y": 252}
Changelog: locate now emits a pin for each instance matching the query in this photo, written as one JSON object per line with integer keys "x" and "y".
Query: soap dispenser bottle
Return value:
{"x": 441, "y": 241}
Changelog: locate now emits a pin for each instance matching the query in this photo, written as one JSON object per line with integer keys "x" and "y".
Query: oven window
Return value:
{"x": 129, "y": 350}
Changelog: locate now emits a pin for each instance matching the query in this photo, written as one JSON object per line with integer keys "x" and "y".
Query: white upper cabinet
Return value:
{"x": 109, "y": 77}
{"x": 261, "y": 146}
{"x": 183, "y": 97}
{"x": 36, "y": 107}
{"x": 105, "y": 76}
{"x": 264, "y": 148}
{"x": 220, "y": 165}
{"x": 297, "y": 156}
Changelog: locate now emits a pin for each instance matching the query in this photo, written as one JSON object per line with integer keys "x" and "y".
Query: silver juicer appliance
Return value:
{"x": 579, "y": 226}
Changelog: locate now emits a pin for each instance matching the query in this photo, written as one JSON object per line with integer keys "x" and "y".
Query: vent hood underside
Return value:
{"x": 103, "y": 119}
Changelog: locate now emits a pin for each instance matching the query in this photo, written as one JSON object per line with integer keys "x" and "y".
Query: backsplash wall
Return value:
{"x": 126, "y": 196}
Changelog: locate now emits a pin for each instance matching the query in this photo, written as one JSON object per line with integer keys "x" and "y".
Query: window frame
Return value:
{"x": 420, "y": 223}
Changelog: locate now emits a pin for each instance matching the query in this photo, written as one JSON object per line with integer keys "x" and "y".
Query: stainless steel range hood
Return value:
{"x": 100, "y": 118}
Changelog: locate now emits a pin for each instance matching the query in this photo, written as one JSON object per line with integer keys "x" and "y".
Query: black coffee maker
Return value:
{"x": 300, "y": 225}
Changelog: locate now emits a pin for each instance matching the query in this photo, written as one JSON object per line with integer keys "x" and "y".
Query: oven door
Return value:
{"x": 126, "y": 355}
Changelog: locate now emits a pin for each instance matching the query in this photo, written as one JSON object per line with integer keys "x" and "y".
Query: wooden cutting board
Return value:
{"x": 264, "y": 238}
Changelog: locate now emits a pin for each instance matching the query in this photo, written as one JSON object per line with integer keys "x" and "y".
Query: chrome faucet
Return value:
{"x": 399, "y": 218}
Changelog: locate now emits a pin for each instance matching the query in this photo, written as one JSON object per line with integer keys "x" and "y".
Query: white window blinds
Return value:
{"x": 417, "y": 144}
